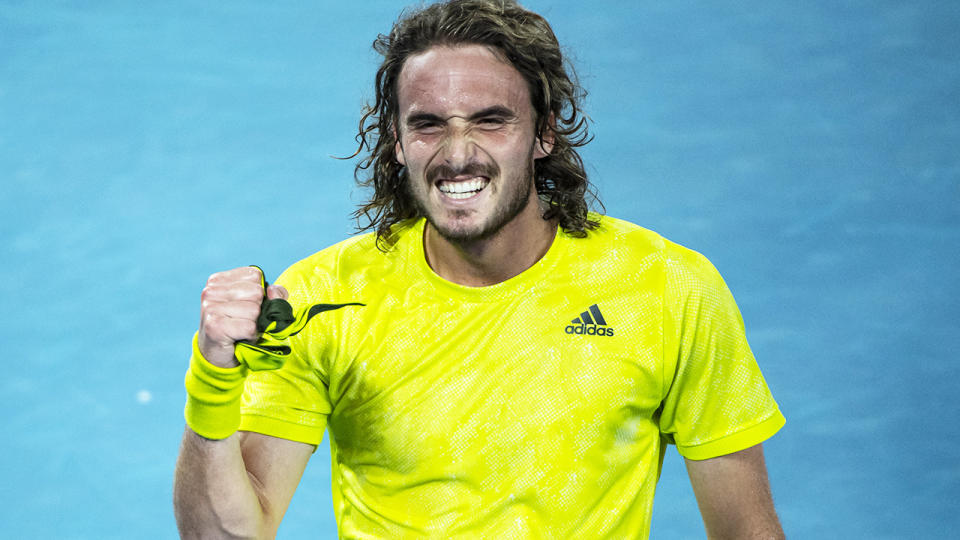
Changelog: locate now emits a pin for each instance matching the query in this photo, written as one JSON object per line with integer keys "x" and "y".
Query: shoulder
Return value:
{"x": 323, "y": 265}
{"x": 619, "y": 231}
{"x": 693, "y": 283}
{"x": 614, "y": 231}
{"x": 623, "y": 238}
{"x": 344, "y": 263}
{"x": 686, "y": 267}
{"x": 685, "y": 270}
{"x": 329, "y": 259}
{"x": 614, "y": 243}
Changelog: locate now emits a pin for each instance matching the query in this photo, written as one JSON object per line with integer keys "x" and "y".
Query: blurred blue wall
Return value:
{"x": 810, "y": 150}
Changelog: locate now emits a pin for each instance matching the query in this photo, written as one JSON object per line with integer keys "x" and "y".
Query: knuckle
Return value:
{"x": 208, "y": 305}
{"x": 208, "y": 324}
{"x": 249, "y": 273}
{"x": 249, "y": 329}
{"x": 254, "y": 312}
{"x": 244, "y": 295}
{"x": 252, "y": 291}
{"x": 210, "y": 320}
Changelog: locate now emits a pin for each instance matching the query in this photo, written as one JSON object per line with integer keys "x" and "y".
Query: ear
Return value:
{"x": 543, "y": 146}
{"x": 398, "y": 148}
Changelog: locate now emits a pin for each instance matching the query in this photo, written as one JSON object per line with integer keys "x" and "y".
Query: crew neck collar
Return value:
{"x": 518, "y": 284}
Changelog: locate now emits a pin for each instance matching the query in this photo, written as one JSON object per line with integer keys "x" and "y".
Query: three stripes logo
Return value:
{"x": 590, "y": 323}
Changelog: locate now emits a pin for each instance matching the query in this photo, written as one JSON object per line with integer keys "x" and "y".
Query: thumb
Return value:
{"x": 277, "y": 291}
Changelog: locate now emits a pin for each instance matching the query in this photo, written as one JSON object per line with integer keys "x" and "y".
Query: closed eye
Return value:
{"x": 490, "y": 122}
{"x": 426, "y": 126}
{"x": 424, "y": 122}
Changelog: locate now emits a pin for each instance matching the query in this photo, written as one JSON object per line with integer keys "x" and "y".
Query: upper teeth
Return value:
{"x": 462, "y": 189}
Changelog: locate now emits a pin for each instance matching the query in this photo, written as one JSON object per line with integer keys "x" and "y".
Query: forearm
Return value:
{"x": 755, "y": 530}
{"x": 214, "y": 495}
{"x": 229, "y": 483}
{"x": 724, "y": 528}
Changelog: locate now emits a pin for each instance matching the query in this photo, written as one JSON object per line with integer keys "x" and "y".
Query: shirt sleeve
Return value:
{"x": 717, "y": 401}
{"x": 291, "y": 402}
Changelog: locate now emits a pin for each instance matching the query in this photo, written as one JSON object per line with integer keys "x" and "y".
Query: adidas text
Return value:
{"x": 589, "y": 329}
{"x": 591, "y": 323}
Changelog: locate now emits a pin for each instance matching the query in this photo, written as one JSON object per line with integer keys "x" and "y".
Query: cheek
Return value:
{"x": 518, "y": 154}
{"x": 416, "y": 154}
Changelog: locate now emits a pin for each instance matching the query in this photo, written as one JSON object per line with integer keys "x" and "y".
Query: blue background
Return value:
{"x": 808, "y": 149}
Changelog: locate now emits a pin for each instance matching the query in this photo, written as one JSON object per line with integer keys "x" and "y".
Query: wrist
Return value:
{"x": 213, "y": 396}
{"x": 219, "y": 356}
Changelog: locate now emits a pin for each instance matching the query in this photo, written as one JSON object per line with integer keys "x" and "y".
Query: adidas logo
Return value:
{"x": 591, "y": 323}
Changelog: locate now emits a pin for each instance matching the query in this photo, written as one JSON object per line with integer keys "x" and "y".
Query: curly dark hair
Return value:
{"x": 523, "y": 38}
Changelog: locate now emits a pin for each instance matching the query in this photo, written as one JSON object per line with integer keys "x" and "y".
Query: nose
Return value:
{"x": 459, "y": 148}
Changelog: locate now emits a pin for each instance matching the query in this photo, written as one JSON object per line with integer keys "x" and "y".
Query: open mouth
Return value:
{"x": 462, "y": 189}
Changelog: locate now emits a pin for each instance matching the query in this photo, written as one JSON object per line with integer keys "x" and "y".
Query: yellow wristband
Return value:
{"x": 213, "y": 396}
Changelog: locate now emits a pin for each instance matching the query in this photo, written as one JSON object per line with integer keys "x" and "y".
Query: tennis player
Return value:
{"x": 490, "y": 359}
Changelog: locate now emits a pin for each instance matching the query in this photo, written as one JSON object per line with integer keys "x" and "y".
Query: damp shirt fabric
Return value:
{"x": 537, "y": 407}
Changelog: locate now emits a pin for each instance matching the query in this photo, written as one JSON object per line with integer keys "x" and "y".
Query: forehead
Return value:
{"x": 461, "y": 79}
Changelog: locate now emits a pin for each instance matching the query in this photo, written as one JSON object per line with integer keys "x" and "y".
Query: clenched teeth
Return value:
{"x": 463, "y": 189}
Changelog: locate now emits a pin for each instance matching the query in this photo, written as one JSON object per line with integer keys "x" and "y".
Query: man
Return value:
{"x": 494, "y": 361}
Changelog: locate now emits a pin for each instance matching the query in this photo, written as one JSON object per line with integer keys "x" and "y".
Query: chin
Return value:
{"x": 462, "y": 226}
{"x": 462, "y": 232}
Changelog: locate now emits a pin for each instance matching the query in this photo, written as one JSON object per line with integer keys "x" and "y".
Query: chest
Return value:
{"x": 435, "y": 381}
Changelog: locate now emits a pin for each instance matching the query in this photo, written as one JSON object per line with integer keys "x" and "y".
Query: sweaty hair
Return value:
{"x": 526, "y": 41}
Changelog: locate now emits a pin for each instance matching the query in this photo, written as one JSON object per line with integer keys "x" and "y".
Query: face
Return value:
{"x": 467, "y": 139}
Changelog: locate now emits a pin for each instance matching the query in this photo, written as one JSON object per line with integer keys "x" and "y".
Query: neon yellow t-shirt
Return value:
{"x": 537, "y": 407}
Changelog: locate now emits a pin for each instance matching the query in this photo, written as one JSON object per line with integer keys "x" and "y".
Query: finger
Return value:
{"x": 234, "y": 291}
{"x": 277, "y": 291}
{"x": 227, "y": 330}
{"x": 243, "y": 273}
{"x": 249, "y": 310}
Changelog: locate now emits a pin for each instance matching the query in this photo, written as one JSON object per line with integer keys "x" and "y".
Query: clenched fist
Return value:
{"x": 230, "y": 305}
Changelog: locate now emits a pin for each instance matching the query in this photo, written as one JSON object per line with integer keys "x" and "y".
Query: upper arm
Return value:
{"x": 734, "y": 495}
{"x": 715, "y": 398}
{"x": 275, "y": 467}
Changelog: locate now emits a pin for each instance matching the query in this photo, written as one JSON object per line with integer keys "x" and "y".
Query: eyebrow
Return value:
{"x": 496, "y": 110}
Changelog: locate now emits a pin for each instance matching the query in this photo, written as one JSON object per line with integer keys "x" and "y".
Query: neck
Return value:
{"x": 478, "y": 263}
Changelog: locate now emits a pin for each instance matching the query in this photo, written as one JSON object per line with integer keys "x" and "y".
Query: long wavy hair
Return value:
{"x": 523, "y": 38}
